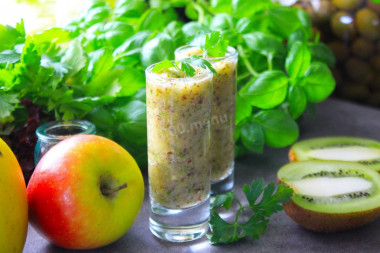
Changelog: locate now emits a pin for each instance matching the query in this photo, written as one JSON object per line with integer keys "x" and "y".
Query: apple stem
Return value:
{"x": 109, "y": 191}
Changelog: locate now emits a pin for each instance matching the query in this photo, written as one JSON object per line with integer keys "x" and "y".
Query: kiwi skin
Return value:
{"x": 292, "y": 156}
{"x": 328, "y": 222}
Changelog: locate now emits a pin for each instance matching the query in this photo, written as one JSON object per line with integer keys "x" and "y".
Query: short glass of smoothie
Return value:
{"x": 223, "y": 116}
{"x": 178, "y": 122}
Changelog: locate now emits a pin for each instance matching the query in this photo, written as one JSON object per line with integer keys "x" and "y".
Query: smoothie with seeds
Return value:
{"x": 223, "y": 111}
{"x": 178, "y": 121}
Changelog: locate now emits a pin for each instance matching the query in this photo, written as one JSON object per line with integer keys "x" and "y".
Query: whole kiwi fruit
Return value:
{"x": 331, "y": 196}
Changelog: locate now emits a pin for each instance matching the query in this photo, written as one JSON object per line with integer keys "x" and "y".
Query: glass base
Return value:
{"x": 223, "y": 186}
{"x": 180, "y": 225}
{"x": 178, "y": 234}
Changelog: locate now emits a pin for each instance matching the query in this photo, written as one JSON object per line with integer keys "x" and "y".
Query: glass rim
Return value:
{"x": 231, "y": 52}
{"x": 148, "y": 73}
{"x": 85, "y": 126}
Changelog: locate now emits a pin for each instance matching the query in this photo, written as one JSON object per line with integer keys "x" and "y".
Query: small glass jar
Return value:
{"x": 53, "y": 132}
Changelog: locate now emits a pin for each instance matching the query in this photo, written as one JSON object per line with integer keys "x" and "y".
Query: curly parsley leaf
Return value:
{"x": 8, "y": 103}
{"x": 270, "y": 203}
{"x": 215, "y": 45}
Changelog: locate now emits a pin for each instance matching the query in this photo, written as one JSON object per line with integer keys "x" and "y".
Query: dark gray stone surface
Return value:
{"x": 335, "y": 118}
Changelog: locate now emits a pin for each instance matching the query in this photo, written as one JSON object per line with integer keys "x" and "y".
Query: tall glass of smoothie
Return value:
{"x": 178, "y": 119}
{"x": 223, "y": 116}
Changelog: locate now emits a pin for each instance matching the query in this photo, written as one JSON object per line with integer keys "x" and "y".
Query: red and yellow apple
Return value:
{"x": 85, "y": 193}
{"x": 13, "y": 203}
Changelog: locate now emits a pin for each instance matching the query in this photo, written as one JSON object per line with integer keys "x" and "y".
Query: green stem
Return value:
{"x": 270, "y": 61}
{"x": 246, "y": 61}
{"x": 106, "y": 191}
{"x": 243, "y": 76}
{"x": 201, "y": 13}
{"x": 236, "y": 223}
{"x": 205, "y": 7}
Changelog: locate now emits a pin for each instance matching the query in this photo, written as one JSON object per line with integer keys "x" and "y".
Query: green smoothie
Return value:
{"x": 178, "y": 121}
{"x": 223, "y": 110}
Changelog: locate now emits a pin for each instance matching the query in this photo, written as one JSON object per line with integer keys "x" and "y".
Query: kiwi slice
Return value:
{"x": 350, "y": 149}
{"x": 331, "y": 196}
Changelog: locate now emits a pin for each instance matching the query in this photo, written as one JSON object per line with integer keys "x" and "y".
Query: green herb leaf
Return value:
{"x": 243, "y": 109}
{"x": 253, "y": 192}
{"x": 297, "y": 101}
{"x": 9, "y": 56}
{"x": 280, "y": 129}
{"x": 283, "y": 21}
{"x": 215, "y": 45}
{"x": 221, "y": 6}
{"x": 156, "y": 49}
{"x": 196, "y": 61}
{"x": 151, "y": 20}
{"x": 163, "y": 65}
{"x": 74, "y": 58}
{"x": 223, "y": 200}
{"x": 298, "y": 36}
{"x": 264, "y": 43}
{"x": 222, "y": 231}
{"x": 7, "y": 104}
{"x": 267, "y": 91}
{"x": 322, "y": 53}
{"x": 270, "y": 203}
{"x": 298, "y": 60}
{"x": 319, "y": 82}
{"x": 252, "y": 136}
{"x": 245, "y": 8}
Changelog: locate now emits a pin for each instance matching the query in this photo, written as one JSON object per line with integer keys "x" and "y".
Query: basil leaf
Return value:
{"x": 321, "y": 52}
{"x": 158, "y": 48}
{"x": 151, "y": 20}
{"x": 221, "y": 21}
{"x": 245, "y": 8}
{"x": 133, "y": 42}
{"x": 96, "y": 15}
{"x": 132, "y": 122}
{"x": 74, "y": 58}
{"x": 221, "y": 6}
{"x": 280, "y": 130}
{"x": 129, "y": 8}
{"x": 264, "y": 43}
{"x": 117, "y": 32}
{"x": 298, "y": 35}
{"x": 305, "y": 20}
{"x": 131, "y": 81}
{"x": 244, "y": 25}
{"x": 297, "y": 101}
{"x": 298, "y": 60}
{"x": 267, "y": 91}
{"x": 283, "y": 21}
{"x": 243, "y": 109}
{"x": 252, "y": 136}
{"x": 319, "y": 82}
{"x": 193, "y": 29}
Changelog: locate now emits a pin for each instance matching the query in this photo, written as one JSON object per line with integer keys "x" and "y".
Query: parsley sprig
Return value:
{"x": 185, "y": 65}
{"x": 270, "y": 203}
{"x": 215, "y": 45}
